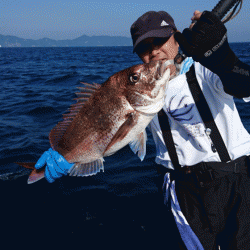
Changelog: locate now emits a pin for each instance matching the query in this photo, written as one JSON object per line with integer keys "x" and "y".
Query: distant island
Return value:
{"x": 82, "y": 41}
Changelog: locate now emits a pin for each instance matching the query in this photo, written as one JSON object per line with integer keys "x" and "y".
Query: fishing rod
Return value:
{"x": 220, "y": 10}
{"x": 223, "y": 6}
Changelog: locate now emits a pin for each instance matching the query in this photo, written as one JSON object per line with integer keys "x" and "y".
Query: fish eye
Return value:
{"x": 134, "y": 78}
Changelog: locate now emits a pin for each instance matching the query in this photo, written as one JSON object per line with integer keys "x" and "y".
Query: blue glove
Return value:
{"x": 56, "y": 165}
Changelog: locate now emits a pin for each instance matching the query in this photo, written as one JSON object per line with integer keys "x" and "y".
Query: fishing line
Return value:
{"x": 231, "y": 15}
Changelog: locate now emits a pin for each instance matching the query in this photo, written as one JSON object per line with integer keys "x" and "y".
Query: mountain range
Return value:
{"x": 82, "y": 41}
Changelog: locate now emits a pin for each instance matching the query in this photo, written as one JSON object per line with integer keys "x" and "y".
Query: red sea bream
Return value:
{"x": 109, "y": 116}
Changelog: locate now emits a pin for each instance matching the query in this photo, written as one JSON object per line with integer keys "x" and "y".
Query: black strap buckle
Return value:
{"x": 236, "y": 168}
{"x": 204, "y": 176}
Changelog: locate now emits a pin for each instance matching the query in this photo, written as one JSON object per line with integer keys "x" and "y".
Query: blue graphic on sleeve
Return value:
{"x": 56, "y": 165}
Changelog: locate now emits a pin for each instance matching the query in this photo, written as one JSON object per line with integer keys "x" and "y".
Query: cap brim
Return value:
{"x": 164, "y": 33}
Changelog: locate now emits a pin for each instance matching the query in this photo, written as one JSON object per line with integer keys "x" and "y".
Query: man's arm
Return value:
{"x": 206, "y": 42}
{"x": 236, "y": 80}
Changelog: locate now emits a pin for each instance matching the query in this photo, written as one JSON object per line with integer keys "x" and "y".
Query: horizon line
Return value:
{"x": 63, "y": 39}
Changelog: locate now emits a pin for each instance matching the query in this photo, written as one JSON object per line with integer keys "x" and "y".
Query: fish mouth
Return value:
{"x": 163, "y": 64}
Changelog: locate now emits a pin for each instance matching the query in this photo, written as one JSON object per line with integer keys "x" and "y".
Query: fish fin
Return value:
{"x": 36, "y": 174}
{"x": 88, "y": 86}
{"x": 139, "y": 145}
{"x": 29, "y": 165}
{"x": 86, "y": 91}
{"x": 87, "y": 169}
{"x": 123, "y": 130}
{"x": 58, "y": 131}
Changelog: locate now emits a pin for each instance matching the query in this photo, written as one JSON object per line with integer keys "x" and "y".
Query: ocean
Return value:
{"x": 37, "y": 86}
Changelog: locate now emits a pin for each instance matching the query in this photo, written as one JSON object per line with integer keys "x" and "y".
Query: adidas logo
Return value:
{"x": 163, "y": 23}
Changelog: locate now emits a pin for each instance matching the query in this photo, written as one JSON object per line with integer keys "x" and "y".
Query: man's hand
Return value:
{"x": 195, "y": 18}
{"x": 206, "y": 42}
{"x": 55, "y": 165}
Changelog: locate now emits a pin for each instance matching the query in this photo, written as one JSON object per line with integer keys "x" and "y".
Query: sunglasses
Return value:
{"x": 147, "y": 44}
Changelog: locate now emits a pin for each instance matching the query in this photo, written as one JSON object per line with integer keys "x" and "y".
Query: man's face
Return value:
{"x": 154, "y": 49}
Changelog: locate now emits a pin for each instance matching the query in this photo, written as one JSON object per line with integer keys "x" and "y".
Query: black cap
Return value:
{"x": 152, "y": 24}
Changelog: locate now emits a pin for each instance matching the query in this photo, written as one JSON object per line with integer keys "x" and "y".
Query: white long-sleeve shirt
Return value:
{"x": 191, "y": 142}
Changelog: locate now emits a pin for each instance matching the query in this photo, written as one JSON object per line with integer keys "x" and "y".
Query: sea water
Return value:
{"x": 38, "y": 85}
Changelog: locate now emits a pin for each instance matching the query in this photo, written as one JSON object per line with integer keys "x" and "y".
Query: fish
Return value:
{"x": 107, "y": 117}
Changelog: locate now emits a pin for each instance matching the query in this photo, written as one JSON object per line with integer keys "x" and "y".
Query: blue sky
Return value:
{"x": 65, "y": 19}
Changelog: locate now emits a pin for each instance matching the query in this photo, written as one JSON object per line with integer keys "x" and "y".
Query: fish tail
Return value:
{"x": 36, "y": 174}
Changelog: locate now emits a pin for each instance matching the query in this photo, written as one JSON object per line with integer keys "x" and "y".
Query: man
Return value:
{"x": 207, "y": 184}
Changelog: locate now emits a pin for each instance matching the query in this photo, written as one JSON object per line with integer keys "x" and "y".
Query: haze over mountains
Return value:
{"x": 82, "y": 41}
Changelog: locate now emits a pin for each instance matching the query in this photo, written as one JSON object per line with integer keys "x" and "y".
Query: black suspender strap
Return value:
{"x": 206, "y": 115}
{"x": 168, "y": 138}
